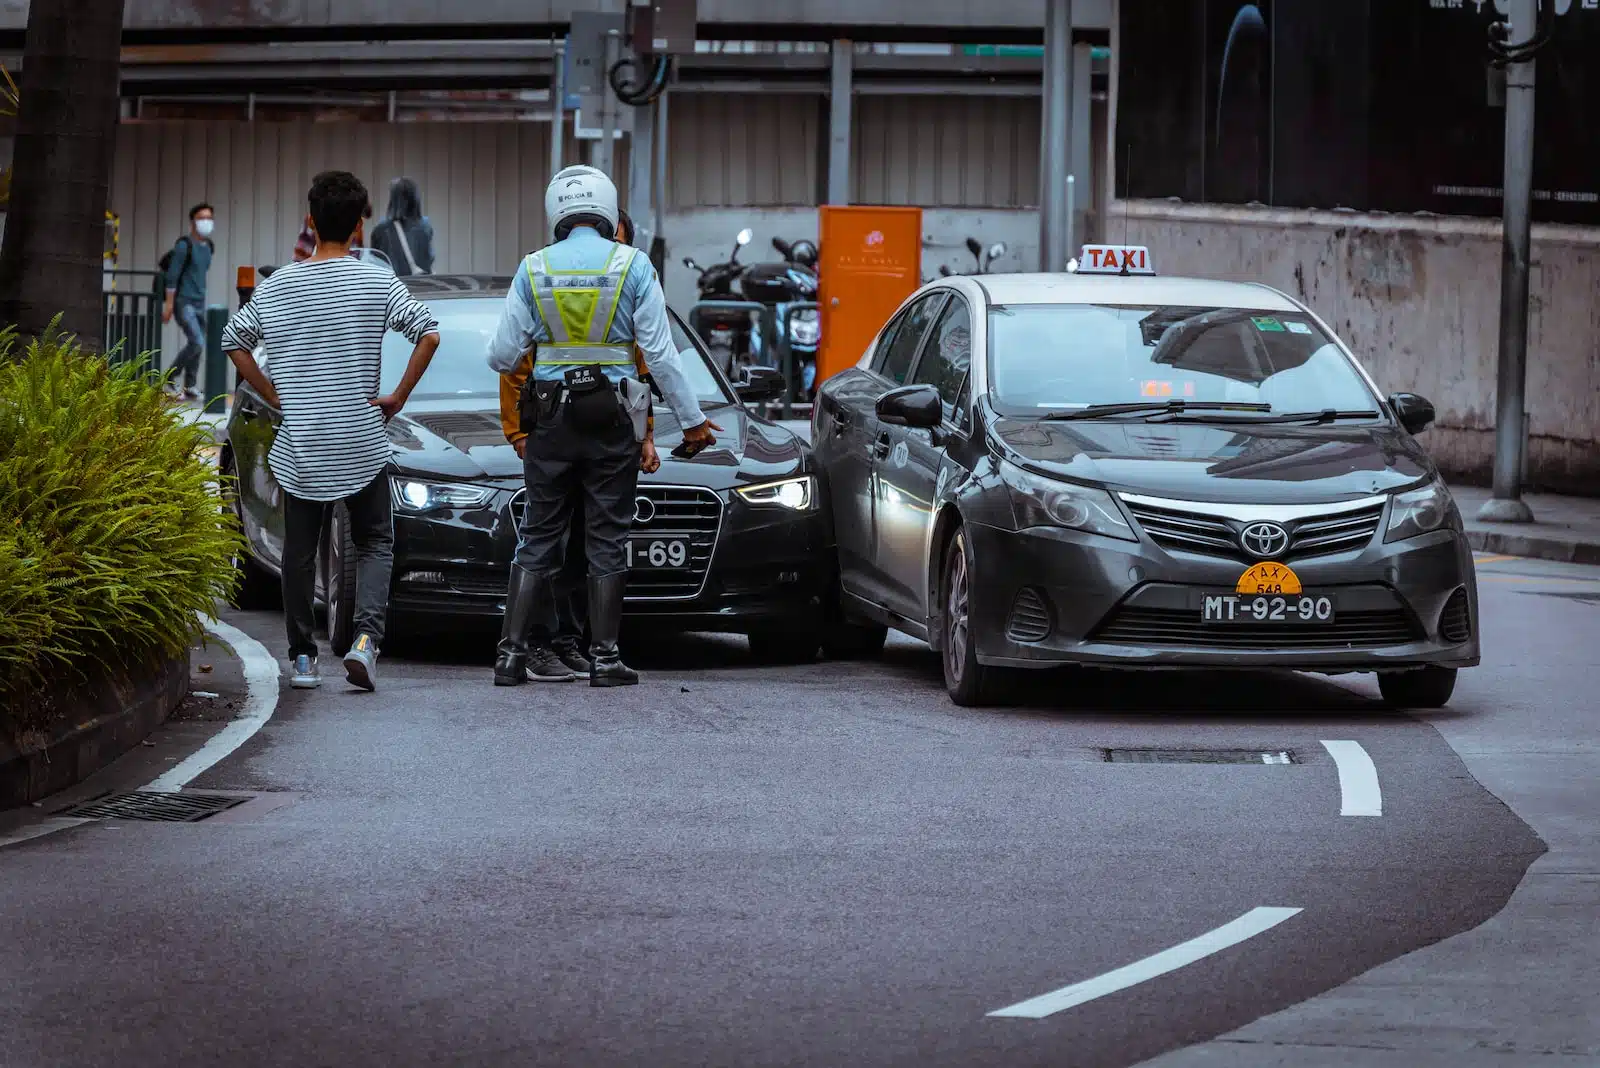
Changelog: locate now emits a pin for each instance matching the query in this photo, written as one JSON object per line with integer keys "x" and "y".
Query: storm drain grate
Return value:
{"x": 155, "y": 807}
{"x": 1200, "y": 756}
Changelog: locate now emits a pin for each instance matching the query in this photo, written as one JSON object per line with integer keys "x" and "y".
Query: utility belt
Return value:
{"x": 589, "y": 401}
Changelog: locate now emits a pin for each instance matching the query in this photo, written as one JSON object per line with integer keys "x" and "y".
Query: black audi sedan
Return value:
{"x": 1109, "y": 468}
{"x": 735, "y": 540}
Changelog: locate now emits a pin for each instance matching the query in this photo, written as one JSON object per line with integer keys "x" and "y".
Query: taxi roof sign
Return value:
{"x": 1114, "y": 259}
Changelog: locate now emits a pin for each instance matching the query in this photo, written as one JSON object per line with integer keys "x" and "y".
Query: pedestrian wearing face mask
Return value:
{"x": 185, "y": 268}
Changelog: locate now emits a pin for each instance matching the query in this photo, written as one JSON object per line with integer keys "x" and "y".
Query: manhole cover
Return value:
{"x": 158, "y": 807}
{"x": 1200, "y": 756}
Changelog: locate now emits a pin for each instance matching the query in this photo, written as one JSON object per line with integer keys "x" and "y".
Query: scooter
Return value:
{"x": 984, "y": 257}
{"x": 728, "y": 329}
{"x": 781, "y": 286}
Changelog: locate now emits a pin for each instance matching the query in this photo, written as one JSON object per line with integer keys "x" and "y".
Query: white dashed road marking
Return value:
{"x": 1359, "y": 793}
{"x": 1231, "y": 933}
{"x": 261, "y": 678}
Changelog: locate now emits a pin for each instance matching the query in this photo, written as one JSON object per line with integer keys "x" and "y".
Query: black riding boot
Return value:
{"x": 522, "y": 601}
{"x": 605, "y": 622}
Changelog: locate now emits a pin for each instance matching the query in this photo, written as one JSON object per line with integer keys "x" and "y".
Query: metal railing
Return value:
{"x": 133, "y": 316}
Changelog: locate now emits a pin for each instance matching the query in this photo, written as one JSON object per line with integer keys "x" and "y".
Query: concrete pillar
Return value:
{"x": 558, "y": 109}
{"x": 839, "y": 115}
{"x": 641, "y": 174}
{"x": 1080, "y": 126}
{"x": 1056, "y": 148}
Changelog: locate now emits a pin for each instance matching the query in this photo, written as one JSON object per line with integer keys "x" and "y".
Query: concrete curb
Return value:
{"x": 1568, "y": 551}
{"x": 104, "y": 722}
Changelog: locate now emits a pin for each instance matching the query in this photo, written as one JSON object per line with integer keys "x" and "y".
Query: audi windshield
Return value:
{"x": 1061, "y": 358}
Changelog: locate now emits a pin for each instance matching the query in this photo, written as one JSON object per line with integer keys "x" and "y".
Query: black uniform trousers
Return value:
{"x": 563, "y": 466}
{"x": 571, "y": 590}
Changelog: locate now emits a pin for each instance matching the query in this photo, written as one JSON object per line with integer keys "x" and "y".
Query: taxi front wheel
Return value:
{"x": 1428, "y": 687}
{"x": 968, "y": 682}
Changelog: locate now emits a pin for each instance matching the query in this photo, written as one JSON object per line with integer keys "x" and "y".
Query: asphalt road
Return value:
{"x": 738, "y": 865}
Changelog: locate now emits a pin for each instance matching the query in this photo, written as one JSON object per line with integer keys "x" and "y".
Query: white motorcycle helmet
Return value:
{"x": 581, "y": 192}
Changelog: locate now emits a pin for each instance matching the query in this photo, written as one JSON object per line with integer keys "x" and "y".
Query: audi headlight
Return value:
{"x": 795, "y": 494}
{"x": 1422, "y": 511}
{"x": 1045, "y": 502}
{"x": 415, "y": 495}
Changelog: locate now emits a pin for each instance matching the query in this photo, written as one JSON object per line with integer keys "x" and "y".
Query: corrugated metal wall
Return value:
{"x": 482, "y": 185}
{"x": 744, "y": 150}
{"x": 946, "y": 151}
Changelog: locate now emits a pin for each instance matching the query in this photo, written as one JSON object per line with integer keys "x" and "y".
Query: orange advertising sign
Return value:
{"x": 871, "y": 262}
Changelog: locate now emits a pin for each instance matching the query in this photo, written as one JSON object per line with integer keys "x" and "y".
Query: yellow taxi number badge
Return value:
{"x": 1268, "y": 578}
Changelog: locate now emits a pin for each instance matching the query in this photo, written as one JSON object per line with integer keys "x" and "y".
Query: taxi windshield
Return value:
{"x": 460, "y": 367}
{"x": 1056, "y": 357}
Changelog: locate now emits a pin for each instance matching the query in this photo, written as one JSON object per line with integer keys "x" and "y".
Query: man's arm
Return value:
{"x": 239, "y": 339}
{"x": 652, "y": 333}
{"x": 518, "y": 330}
{"x": 175, "y": 268}
{"x": 511, "y": 403}
{"x": 409, "y": 316}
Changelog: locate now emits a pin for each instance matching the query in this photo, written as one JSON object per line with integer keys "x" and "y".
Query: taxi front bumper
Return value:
{"x": 1047, "y": 596}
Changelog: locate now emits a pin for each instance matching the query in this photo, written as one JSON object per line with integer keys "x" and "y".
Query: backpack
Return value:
{"x": 165, "y": 262}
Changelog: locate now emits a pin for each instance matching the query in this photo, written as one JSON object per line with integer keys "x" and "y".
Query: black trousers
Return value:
{"x": 571, "y": 591}
{"x": 372, "y": 531}
{"x": 563, "y": 467}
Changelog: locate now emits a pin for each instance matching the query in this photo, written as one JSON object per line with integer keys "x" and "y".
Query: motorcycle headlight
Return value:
{"x": 1422, "y": 511}
{"x": 805, "y": 328}
{"x": 1045, "y": 502}
{"x": 795, "y": 494}
{"x": 414, "y": 495}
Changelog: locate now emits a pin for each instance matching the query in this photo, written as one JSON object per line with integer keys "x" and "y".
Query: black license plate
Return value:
{"x": 659, "y": 554}
{"x": 1279, "y": 608}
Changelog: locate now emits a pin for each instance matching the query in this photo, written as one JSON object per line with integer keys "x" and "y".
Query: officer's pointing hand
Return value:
{"x": 702, "y": 434}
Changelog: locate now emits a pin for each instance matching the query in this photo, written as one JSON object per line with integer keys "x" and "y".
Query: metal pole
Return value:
{"x": 658, "y": 188}
{"x": 1507, "y": 505}
{"x": 608, "y": 109}
{"x": 1057, "y": 146}
{"x": 558, "y": 109}
{"x": 641, "y": 172}
{"x": 839, "y": 111}
{"x": 1071, "y": 215}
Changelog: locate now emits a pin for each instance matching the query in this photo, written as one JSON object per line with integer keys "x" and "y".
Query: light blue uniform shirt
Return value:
{"x": 641, "y": 319}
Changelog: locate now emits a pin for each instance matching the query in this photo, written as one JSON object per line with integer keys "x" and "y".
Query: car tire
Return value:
{"x": 258, "y": 589}
{"x": 1428, "y": 687}
{"x": 784, "y": 646}
{"x": 969, "y": 683}
{"x": 854, "y": 641}
{"x": 339, "y": 582}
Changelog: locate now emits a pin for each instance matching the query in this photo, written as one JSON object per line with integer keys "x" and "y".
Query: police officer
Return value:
{"x": 582, "y": 304}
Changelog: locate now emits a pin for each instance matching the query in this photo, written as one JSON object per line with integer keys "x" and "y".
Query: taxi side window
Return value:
{"x": 947, "y": 354}
{"x": 898, "y": 351}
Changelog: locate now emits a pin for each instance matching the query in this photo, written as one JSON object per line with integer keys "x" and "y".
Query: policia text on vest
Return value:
{"x": 582, "y": 304}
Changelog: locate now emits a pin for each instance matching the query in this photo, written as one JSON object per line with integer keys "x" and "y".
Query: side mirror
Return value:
{"x": 973, "y": 246}
{"x": 944, "y": 270}
{"x": 744, "y": 236}
{"x": 688, "y": 261}
{"x": 784, "y": 248}
{"x": 761, "y": 384}
{"x": 1414, "y": 412}
{"x": 997, "y": 250}
{"x": 913, "y": 406}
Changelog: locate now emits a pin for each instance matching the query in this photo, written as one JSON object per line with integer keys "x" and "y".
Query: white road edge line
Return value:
{"x": 261, "y": 679}
{"x": 1231, "y": 933}
{"x": 1359, "y": 792}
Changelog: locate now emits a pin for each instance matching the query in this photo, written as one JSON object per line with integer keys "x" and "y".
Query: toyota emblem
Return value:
{"x": 644, "y": 510}
{"x": 1263, "y": 540}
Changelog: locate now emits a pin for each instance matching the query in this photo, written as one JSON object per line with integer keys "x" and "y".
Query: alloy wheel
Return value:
{"x": 956, "y": 610}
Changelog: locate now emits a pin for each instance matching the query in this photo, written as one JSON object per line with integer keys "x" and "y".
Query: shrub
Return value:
{"x": 112, "y": 542}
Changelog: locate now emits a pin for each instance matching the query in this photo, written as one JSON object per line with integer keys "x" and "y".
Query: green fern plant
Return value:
{"x": 112, "y": 539}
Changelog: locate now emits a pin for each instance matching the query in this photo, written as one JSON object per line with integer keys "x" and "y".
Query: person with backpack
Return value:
{"x": 405, "y": 237}
{"x": 184, "y": 269}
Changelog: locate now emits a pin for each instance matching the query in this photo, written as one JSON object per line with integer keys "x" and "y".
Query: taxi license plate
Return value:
{"x": 1268, "y": 592}
{"x": 658, "y": 553}
{"x": 1266, "y": 608}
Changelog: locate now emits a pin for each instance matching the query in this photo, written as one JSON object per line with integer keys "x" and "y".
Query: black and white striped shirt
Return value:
{"x": 322, "y": 322}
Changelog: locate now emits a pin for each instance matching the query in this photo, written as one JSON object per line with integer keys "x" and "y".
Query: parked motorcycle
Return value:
{"x": 730, "y": 333}
{"x": 780, "y": 286}
{"x": 984, "y": 258}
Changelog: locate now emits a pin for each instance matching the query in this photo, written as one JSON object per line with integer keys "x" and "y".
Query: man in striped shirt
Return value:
{"x": 322, "y": 322}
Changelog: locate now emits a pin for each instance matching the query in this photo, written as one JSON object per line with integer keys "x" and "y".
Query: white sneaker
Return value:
{"x": 303, "y": 673}
{"x": 361, "y": 663}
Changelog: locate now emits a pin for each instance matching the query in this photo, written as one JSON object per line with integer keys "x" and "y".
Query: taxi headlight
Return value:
{"x": 415, "y": 495}
{"x": 1045, "y": 502}
{"x": 795, "y": 494}
{"x": 1422, "y": 511}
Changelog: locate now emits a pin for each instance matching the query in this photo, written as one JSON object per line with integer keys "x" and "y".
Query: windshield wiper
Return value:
{"x": 1316, "y": 418}
{"x": 1171, "y": 407}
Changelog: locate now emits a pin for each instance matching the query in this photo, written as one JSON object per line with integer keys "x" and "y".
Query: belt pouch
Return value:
{"x": 592, "y": 406}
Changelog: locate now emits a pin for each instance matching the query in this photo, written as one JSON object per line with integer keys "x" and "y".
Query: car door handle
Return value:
{"x": 880, "y": 448}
